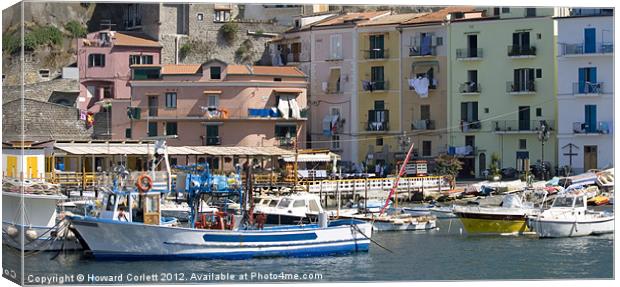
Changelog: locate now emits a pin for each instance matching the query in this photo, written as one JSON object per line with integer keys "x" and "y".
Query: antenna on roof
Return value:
{"x": 108, "y": 23}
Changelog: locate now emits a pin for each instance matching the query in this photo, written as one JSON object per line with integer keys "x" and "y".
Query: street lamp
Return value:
{"x": 543, "y": 136}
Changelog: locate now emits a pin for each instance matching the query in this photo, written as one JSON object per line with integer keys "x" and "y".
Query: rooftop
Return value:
{"x": 123, "y": 39}
{"x": 438, "y": 16}
{"x": 392, "y": 19}
{"x": 352, "y": 18}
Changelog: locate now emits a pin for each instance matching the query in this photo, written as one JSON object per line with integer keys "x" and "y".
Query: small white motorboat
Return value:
{"x": 569, "y": 217}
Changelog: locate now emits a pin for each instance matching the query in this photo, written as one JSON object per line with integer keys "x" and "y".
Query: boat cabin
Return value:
{"x": 570, "y": 202}
{"x": 133, "y": 207}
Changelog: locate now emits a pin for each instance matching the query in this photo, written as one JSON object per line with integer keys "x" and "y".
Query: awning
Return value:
{"x": 117, "y": 149}
{"x": 284, "y": 90}
{"x": 317, "y": 157}
{"x": 241, "y": 151}
{"x": 212, "y": 92}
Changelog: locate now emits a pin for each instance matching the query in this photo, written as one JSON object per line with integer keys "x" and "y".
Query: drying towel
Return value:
{"x": 283, "y": 108}
{"x": 295, "y": 111}
{"x": 420, "y": 85}
{"x": 326, "y": 126}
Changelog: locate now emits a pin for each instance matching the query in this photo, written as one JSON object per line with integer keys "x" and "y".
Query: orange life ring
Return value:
{"x": 142, "y": 185}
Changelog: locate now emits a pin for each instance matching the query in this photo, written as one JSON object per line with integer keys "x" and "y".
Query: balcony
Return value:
{"x": 462, "y": 151}
{"x": 587, "y": 89}
{"x": 581, "y": 49}
{"x": 378, "y": 120}
{"x": 521, "y": 88}
{"x": 376, "y": 54}
{"x": 420, "y": 51}
{"x": 213, "y": 140}
{"x": 584, "y": 128}
{"x": 423, "y": 125}
{"x": 521, "y": 51}
{"x": 285, "y": 141}
{"x": 520, "y": 126}
{"x": 371, "y": 86}
{"x": 470, "y": 88}
{"x": 470, "y": 126}
{"x": 469, "y": 54}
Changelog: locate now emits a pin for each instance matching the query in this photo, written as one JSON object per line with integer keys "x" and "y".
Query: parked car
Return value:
{"x": 542, "y": 171}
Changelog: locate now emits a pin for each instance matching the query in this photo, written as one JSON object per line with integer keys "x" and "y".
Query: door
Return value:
{"x": 11, "y": 166}
{"x": 376, "y": 76}
{"x": 150, "y": 208}
{"x": 213, "y": 135}
{"x": 589, "y": 40}
{"x": 590, "y": 118}
{"x": 524, "y": 118}
{"x": 590, "y": 157}
{"x": 587, "y": 80}
{"x": 296, "y": 51}
{"x": 32, "y": 167}
{"x": 472, "y": 46}
{"x": 376, "y": 47}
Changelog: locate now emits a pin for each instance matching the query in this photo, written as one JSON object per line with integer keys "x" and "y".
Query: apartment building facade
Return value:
{"x": 219, "y": 104}
{"x": 502, "y": 89}
{"x": 585, "y": 89}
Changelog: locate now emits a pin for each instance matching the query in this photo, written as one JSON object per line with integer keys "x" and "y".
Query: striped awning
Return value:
{"x": 317, "y": 157}
{"x": 116, "y": 148}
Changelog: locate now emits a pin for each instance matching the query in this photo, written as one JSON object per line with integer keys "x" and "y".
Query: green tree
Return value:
{"x": 449, "y": 166}
{"x": 229, "y": 31}
{"x": 11, "y": 43}
{"x": 42, "y": 36}
{"x": 76, "y": 29}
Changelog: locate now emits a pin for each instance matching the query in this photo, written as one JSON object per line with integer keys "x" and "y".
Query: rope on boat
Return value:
{"x": 356, "y": 228}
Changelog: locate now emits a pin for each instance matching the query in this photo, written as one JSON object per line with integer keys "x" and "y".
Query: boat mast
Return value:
{"x": 400, "y": 173}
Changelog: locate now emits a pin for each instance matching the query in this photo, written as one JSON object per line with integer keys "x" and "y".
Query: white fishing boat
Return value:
{"x": 39, "y": 227}
{"x": 301, "y": 207}
{"x": 570, "y": 217}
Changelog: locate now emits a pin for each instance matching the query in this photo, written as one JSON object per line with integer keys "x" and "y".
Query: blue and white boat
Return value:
{"x": 135, "y": 230}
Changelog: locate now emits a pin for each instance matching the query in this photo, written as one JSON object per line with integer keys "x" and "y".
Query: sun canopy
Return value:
{"x": 316, "y": 157}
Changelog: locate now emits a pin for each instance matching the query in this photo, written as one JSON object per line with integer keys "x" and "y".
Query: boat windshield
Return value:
{"x": 299, "y": 203}
{"x": 563, "y": 202}
{"x": 579, "y": 202}
{"x": 284, "y": 203}
{"x": 314, "y": 207}
{"x": 273, "y": 203}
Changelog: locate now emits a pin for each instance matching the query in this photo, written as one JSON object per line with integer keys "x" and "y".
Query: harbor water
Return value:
{"x": 446, "y": 253}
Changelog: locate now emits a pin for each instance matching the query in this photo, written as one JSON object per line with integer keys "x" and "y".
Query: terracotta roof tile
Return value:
{"x": 187, "y": 69}
{"x": 265, "y": 70}
{"x": 439, "y": 16}
{"x": 393, "y": 19}
{"x": 361, "y": 16}
{"x": 121, "y": 39}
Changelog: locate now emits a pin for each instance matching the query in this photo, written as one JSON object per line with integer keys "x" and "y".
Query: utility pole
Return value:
{"x": 543, "y": 136}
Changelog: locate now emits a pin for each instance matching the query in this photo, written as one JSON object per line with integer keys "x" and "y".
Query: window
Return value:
{"x": 496, "y": 11}
{"x": 469, "y": 111}
{"x": 379, "y": 105}
{"x": 283, "y": 131}
{"x": 376, "y": 47}
{"x": 171, "y": 100}
{"x": 140, "y": 59}
{"x": 439, "y": 41}
{"x": 297, "y": 23}
{"x": 200, "y": 17}
{"x": 171, "y": 128}
{"x": 425, "y": 112}
{"x": 152, "y": 129}
{"x": 277, "y": 79}
{"x": 107, "y": 92}
{"x": 96, "y": 60}
{"x": 215, "y": 72}
{"x": 335, "y": 142}
{"x": 470, "y": 141}
{"x": 522, "y": 144}
{"x": 314, "y": 206}
{"x": 505, "y": 10}
{"x": 221, "y": 16}
{"x": 133, "y": 17}
{"x": 213, "y": 135}
{"x": 377, "y": 77}
{"x": 539, "y": 112}
{"x": 273, "y": 203}
{"x": 523, "y": 80}
{"x": 146, "y": 74}
{"x": 379, "y": 141}
{"x": 213, "y": 101}
{"x": 284, "y": 203}
{"x": 333, "y": 85}
{"x": 486, "y": 110}
{"x": 538, "y": 73}
{"x": 426, "y": 148}
{"x": 128, "y": 133}
{"x": 530, "y": 12}
{"x": 44, "y": 73}
{"x": 335, "y": 46}
{"x": 299, "y": 203}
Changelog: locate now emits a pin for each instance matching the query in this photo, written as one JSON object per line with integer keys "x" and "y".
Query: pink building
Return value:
{"x": 103, "y": 61}
{"x": 219, "y": 104}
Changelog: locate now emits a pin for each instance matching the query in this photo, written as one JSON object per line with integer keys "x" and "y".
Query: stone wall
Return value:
{"x": 40, "y": 91}
{"x": 42, "y": 121}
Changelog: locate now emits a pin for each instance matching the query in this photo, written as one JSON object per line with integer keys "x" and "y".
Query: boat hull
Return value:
{"x": 43, "y": 242}
{"x": 493, "y": 224}
{"x": 565, "y": 228}
{"x": 116, "y": 240}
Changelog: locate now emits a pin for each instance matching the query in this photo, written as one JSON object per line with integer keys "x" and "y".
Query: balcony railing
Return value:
{"x": 521, "y": 126}
{"x": 470, "y": 88}
{"x": 470, "y": 126}
{"x": 521, "y": 87}
{"x": 214, "y": 140}
{"x": 588, "y": 88}
{"x": 520, "y": 51}
{"x": 420, "y": 51}
{"x": 285, "y": 141}
{"x": 469, "y": 53}
{"x": 423, "y": 125}
{"x": 583, "y": 49}
{"x": 376, "y": 54}
{"x": 378, "y": 120}
{"x": 587, "y": 128}
{"x": 375, "y": 86}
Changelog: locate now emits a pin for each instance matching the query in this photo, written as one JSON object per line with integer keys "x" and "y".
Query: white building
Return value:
{"x": 585, "y": 89}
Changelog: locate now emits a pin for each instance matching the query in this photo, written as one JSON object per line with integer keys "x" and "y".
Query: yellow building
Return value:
{"x": 379, "y": 94}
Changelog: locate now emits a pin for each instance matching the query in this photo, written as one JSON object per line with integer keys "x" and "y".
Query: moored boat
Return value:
{"x": 569, "y": 217}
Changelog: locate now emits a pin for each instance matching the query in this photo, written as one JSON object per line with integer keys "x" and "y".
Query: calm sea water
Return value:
{"x": 443, "y": 254}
